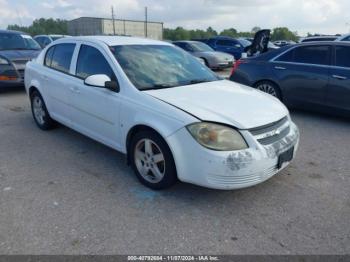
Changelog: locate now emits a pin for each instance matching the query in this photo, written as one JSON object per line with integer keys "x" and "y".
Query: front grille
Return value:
{"x": 271, "y": 133}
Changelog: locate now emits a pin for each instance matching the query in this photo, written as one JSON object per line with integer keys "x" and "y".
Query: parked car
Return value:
{"x": 313, "y": 75}
{"x": 229, "y": 45}
{"x": 344, "y": 38}
{"x": 213, "y": 59}
{"x": 281, "y": 43}
{"x": 16, "y": 49}
{"x": 270, "y": 45}
{"x": 318, "y": 38}
{"x": 45, "y": 40}
{"x": 172, "y": 116}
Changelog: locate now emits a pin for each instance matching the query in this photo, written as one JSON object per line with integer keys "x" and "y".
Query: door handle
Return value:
{"x": 280, "y": 68}
{"x": 339, "y": 77}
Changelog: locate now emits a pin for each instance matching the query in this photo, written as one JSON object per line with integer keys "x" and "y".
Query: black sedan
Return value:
{"x": 312, "y": 76}
{"x": 16, "y": 49}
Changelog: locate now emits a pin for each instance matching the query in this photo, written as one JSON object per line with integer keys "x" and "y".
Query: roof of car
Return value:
{"x": 12, "y": 32}
{"x": 115, "y": 40}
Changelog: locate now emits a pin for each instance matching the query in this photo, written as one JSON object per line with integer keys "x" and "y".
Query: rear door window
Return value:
{"x": 92, "y": 62}
{"x": 342, "y": 56}
{"x": 317, "y": 55}
{"x": 62, "y": 57}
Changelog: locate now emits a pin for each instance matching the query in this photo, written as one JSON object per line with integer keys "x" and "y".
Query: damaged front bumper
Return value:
{"x": 230, "y": 170}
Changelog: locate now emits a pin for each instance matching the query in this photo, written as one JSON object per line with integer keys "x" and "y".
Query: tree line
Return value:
{"x": 180, "y": 33}
{"x": 44, "y": 26}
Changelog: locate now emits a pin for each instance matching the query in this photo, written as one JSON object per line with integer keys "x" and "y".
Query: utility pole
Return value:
{"x": 146, "y": 22}
{"x": 113, "y": 21}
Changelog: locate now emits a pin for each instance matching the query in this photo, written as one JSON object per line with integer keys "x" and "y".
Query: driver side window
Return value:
{"x": 92, "y": 62}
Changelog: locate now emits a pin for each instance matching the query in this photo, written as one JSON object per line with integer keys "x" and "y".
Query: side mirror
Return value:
{"x": 102, "y": 81}
{"x": 237, "y": 46}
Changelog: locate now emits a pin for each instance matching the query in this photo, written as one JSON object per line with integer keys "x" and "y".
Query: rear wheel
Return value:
{"x": 152, "y": 160}
{"x": 269, "y": 88}
{"x": 40, "y": 113}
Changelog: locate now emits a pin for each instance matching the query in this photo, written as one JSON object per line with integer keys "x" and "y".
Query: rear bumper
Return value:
{"x": 14, "y": 83}
{"x": 221, "y": 64}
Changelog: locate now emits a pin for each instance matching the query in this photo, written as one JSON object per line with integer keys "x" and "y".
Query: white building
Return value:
{"x": 104, "y": 26}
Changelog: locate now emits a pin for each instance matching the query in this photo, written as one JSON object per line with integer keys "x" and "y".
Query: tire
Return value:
{"x": 152, "y": 160}
{"x": 39, "y": 111}
{"x": 269, "y": 88}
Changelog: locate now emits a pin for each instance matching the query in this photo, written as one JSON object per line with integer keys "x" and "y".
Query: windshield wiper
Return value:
{"x": 158, "y": 86}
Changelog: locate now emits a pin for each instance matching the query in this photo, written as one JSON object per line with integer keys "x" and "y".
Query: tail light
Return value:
{"x": 7, "y": 78}
{"x": 236, "y": 65}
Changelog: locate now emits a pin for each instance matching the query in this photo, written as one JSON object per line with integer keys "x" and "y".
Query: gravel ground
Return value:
{"x": 62, "y": 193}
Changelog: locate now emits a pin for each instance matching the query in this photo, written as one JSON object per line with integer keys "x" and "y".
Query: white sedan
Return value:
{"x": 173, "y": 117}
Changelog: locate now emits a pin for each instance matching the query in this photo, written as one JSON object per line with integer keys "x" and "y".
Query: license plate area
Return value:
{"x": 285, "y": 157}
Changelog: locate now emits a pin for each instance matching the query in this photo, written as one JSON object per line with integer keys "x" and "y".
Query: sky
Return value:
{"x": 303, "y": 16}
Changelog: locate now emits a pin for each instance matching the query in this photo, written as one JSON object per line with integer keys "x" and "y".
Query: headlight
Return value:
{"x": 217, "y": 137}
{"x": 3, "y": 61}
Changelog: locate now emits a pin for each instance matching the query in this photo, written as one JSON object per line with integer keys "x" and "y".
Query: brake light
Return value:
{"x": 7, "y": 78}
{"x": 236, "y": 65}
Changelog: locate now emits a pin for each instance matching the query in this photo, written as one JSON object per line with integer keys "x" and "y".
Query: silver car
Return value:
{"x": 213, "y": 59}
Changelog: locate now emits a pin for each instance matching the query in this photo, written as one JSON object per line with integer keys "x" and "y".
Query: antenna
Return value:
{"x": 113, "y": 21}
{"x": 19, "y": 17}
{"x": 146, "y": 21}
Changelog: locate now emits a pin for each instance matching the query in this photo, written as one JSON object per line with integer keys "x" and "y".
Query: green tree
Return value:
{"x": 229, "y": 32}
{"x": 43, "y": 26}
{"x": 283, "y": 33}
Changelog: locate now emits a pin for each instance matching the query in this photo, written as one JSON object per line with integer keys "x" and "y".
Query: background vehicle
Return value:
{"x": 171, "y": 115}
{"x": 270, "y": 45}
{"x": 44, "y": 40}
{"x": 281, "y": 43}
{"x": 312, "y": 75}
{"x": 16, "y": 49}
{"x": 213, "y": 59}
{"x": 229, "y": 45}
{"x": 344, "y": 38}
{"x": 318, "y": 39}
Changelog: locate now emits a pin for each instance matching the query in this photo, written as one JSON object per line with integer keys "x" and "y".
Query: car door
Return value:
{"x": 338, "y": 91}
{"x": 303, "y": 74}
{"x": 95, "y": 110}
{"x": 56, "y": 79}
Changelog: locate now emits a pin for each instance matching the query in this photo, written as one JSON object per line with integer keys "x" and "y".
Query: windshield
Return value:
{"x": 54, "y": 38}
{"x": 161, "y": 66}
{"x": 244, "y": 42}
{"x": 17, "y": 42}
{"x": 201, "y": 47}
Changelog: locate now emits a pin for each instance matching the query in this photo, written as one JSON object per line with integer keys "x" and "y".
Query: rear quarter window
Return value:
{"x": 61, "y": 57}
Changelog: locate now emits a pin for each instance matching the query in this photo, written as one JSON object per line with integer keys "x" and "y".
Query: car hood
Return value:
{"x": 14, "y": 55}
{"x": 216, "y": 54}
{"x": 224, "y": 102}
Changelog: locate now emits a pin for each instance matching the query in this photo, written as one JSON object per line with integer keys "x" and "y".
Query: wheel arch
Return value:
{"x": 136, "y": 129}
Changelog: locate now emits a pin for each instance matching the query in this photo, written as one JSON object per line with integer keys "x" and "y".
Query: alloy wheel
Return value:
{"x": 149, "y": 160}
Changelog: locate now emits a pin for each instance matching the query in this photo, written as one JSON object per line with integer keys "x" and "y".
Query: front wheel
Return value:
{"x": 40, "y": 113}
{"x": 152, "y": 160}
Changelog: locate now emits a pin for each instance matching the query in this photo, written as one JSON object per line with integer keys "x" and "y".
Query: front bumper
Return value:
{"x": 229, "y": 170}
{"x": 221, "y": 64}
